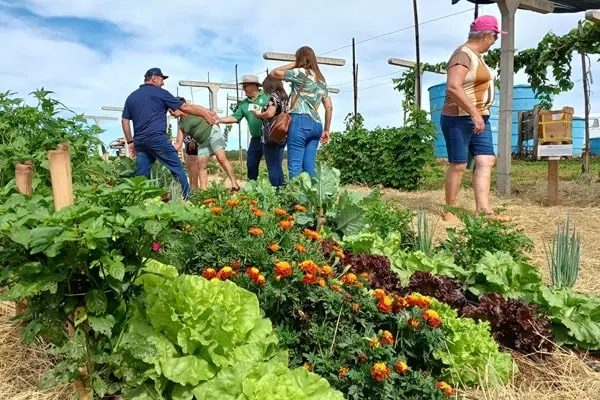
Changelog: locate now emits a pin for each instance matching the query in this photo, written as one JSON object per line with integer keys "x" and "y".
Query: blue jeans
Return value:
{"x": 304, "y": 135}
{"x": 274, "y": 158}
{"x": 462, "y": 142}
{"x": 255, "y": 153}
{"x": 148, "y": 151}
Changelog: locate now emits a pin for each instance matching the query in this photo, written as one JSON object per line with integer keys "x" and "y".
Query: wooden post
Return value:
{"x": 418, "y": 72}
{"x": 61, "y": 176}
{"x": 354, "y": 78}
{"x": 24, "y": 180}
{"x": 586, "y": 100}
{"x": 553, "y": 181}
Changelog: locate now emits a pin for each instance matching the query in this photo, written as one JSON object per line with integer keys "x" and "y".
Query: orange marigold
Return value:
{"x": 225, "y": 273}
{"x": 257, "y": 212}
{"x": 387, "y": 338}
{"x": 418, "y": 300}
{"x": 399, "y": 304}
{"x": 385, "y": 304}
{"x": 281, "y": 212}
{"x": 365, "y": 275}
{"x": 379, "y": 293}
{"x": 314, "y": 235}
{"x": 343, "y": 372}
{"x": 252, "y": 203}
{"x": 401, "y": 367}
{"x": 232, "y": 203}
{"x": 309, "y": 279}
{"x": 290, "y": 218}
{"x": 340, "y": 255}
{"x": 380, "y": 372}
{"x": 309, "y": 267}
{"x": 283, "y": 269}
{"x": 285, "y": 224}
{"x": 445, "y": 388}
{"x": 374, "y": 342}
{"x": 208, "y": 201}
{"x": 300, "y": 248}
{"x": 261, "y": 280}
{"x": 432, "y": 318}
{"x": 256, "y": 231}
{"x": 253, "y": 273}
{"x": 274, "y": 247}
{"x": 349, "y": 279}
{"x": 356, "y": 307}
{"x": 322, "y": 282}
{"x": 299, "y": 208}
{"x": 414, "y": 323}
{"x": 326, "y": 271}
{"x": 209, "y": 273}
{"x": 216, "y": 210}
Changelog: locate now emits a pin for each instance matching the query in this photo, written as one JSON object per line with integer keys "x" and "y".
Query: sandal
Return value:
{"x": 449, "y": 217}
{"x": 235, "y": 189}
{"x": 497, "y": 218}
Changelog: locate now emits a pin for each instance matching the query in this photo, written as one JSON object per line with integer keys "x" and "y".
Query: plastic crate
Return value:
{"x": 556, "y": 127}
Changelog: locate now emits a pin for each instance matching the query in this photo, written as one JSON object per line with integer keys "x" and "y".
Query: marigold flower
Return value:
{"x": 261, "y": 280}
{"x": 307, "y": 366}
{"x": 365, "y": 275}
{"x": 387, "y": 338}
{"x": 356, "y": 307}
{"x": 343, "y": 372}
{"x": 274, "y": 247}
{"x": 418, "y": 300}
{"x": 257, "y": 212}
{"x": 322, "y": 282}
{"x": 374, "y": 343}
{"x": 314, "y": 235}
{"x": 253, "y": 203}
{"x": 432, "y": 318}
{"x": 414, "y": 323}
{"x": 208, "y": 201}
{"x": 285, "y": 225}
{"x": 291, "y": 218}
{"x": 156, "y": 247}
{"x": 232, "y": 203}
{"x": 256, "y": 231}
{"x": 299, "y": 208}
{"x": 349, "y": 279}
{"x": 300, "y": 248}
{"x": 399, "y": 304}
{"x": 209, "y": 273}
{"x": 379, "y": 293}
{"x": 326, "y": 271}
{"x": 253, "y": 273}
{"x": 281, "y": 212}
{"x": 216, "y": 210}
{"x": 309, "y": 267}
{"x": 445, "y": 388}
{"x": 335, "y": 247}
{"x": 225, "y": 273}
{"x": 401, "y": 367}
{"x": 340, "y": 255}
{"x": 380, "y": 372}
{"x": 309, "y": 279}
{"x": 385, "y": 304}
{"x": 283, "y": 269}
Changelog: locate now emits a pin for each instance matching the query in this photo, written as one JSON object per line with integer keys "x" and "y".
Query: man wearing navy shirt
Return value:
{"x": 147, "y": 107}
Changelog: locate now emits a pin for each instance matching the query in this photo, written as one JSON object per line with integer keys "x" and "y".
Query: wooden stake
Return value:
{"x": 24, "y": 179}
{"x": 552, "y": 182}
{"x": 418, "y": 72}
{"x": 61, "y": 176}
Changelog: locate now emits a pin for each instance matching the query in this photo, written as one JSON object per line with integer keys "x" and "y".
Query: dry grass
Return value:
{"x": 21, "y": 367}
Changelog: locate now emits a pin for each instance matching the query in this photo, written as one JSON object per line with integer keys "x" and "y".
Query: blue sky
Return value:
{"x": 93, "y": 53}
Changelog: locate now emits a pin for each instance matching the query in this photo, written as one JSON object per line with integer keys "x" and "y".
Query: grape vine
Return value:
{"x": 548, "y": 66}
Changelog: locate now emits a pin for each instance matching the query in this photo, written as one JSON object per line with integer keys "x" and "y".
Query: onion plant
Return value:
{"x": 563, "y": 256}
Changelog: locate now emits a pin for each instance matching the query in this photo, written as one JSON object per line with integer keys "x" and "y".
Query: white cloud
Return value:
{"x": 190, "y": 39}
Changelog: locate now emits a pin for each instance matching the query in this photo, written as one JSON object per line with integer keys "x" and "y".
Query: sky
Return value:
{"x": 93, "y": 53}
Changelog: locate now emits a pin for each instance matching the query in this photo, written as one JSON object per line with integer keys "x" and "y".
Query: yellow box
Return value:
{"x": 556, "y": 126}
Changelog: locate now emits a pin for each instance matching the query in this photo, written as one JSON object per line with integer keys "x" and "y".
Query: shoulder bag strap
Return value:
{"x": 295, "y": 101}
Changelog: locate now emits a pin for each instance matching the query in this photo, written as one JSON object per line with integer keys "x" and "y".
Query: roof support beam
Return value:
{"x": 593, "y": 16}
{"x": 539, "y": 6}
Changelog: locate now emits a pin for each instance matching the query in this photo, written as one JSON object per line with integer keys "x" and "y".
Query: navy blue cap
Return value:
{"x": 155, "y": 72}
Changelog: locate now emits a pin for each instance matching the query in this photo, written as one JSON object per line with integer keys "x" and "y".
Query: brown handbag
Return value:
{"x": 279, "y": 129}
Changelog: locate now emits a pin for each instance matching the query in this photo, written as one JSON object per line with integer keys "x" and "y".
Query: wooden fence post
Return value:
{"x": 24, "y": 180}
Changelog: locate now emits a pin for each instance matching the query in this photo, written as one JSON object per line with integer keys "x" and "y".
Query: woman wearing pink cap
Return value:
{"x": 465, "y": 114}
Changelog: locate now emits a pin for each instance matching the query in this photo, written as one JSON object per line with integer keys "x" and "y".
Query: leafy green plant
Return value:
{"x": 563, "y": 257}
{"x": 392, "y": 157}
{"x": 384, "y": 218}
{"x": 424, "y": 237}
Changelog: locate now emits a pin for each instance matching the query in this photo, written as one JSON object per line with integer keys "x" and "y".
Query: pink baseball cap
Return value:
{"x": 486, "y": 23}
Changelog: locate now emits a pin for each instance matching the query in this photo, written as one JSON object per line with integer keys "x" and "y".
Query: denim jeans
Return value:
{"x": 148, "y": 151}
{"x": 255, "y": 153}
{"x": 274, "y": 158}
{"x": 462, "y": 143}
{"x": 304, "y": 135}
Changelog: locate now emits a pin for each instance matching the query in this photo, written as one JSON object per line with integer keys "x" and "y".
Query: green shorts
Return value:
{"x": 216, "y": 142}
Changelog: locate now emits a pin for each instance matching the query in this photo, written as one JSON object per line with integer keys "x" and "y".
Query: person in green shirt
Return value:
{"x": 202, "y": 140}
{"x": 255, "y": 101}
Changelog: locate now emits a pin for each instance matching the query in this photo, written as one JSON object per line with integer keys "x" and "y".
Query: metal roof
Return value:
{"x": 560, "y": 6}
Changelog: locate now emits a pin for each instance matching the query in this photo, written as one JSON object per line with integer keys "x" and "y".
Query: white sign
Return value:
{"x": 555, "y": 150}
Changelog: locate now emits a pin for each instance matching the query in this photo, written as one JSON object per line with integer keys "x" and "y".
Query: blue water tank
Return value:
{"x": 578, "y": 134}
{"x": 524, "y": 99}
{"x": 595, "y": 146}
{"x": 437, "y": 94}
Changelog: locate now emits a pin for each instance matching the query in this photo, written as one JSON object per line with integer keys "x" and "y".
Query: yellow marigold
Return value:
{"x": 285, "y": 224}
{"x": 418, "y": 300}
{"x": 380, "y": 372}
{"x": 253, "y": 273}
{"x": 256, "y": 231}
{"x": 216, "y": 210}
{"x": 379, "y": 293}
{"x": 322, "y": 282}
{"x": 349, "y": 279}
{"x": 274, "y": 247}
{"x": 374, "y": 343}
{"x": 385, "y": 304}
{"x": 299, "y": 208}
{"x": 387, "y": 338}
{"x": 225, "y": 273}
{"x": 432, "y": 318}
{"x": 208, "y": 201}
{"x": 356, "y": 307}
{"x": 232, "y": 203}
{"x": 300, "y": 248}
{"x": 261, "y": 280}
{"x": 281, "y": 212}
{"x": 326, "y": 271}
{"x": 401, "y": 367}
{"x": 343, "y": 372}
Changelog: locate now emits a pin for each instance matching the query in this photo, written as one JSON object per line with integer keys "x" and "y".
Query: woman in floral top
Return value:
{"x": 309, "y": 91}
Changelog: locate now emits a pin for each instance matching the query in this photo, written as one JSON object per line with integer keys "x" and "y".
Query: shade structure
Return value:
{"x": 560, "y": 6}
